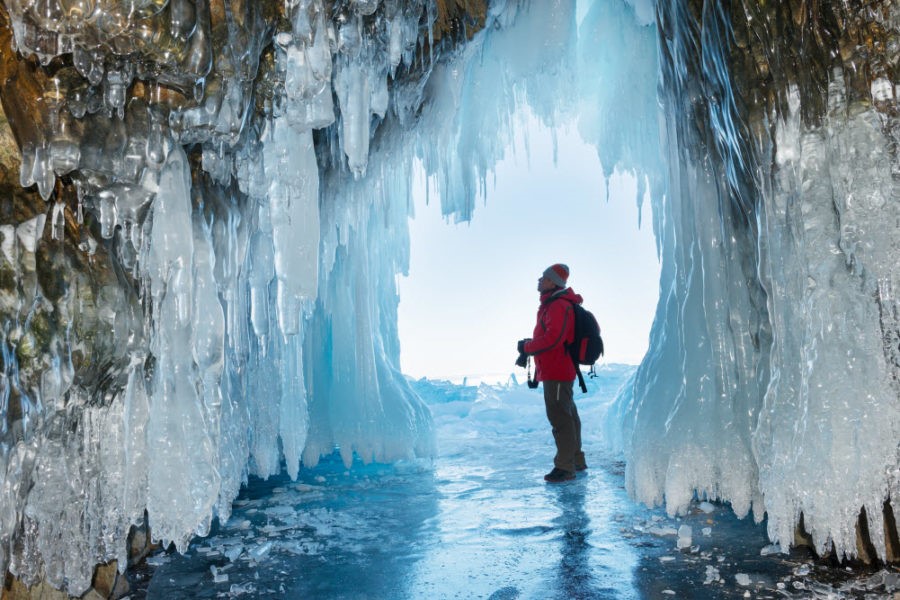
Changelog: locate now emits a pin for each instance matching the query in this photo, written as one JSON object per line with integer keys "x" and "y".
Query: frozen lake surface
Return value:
{"x": 479, "y": 522}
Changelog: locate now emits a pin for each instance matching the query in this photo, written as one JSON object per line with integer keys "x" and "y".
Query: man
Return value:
{"x": 554, "y": 329}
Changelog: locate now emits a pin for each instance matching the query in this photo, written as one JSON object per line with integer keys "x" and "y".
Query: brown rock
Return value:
{"x": 139, "y": 545}
{"x": 108, "y": 584}
{"x": 105, "y": 577}
{"x": 891, "y": 541}
{"x": 801, "y": 537}
{"x": 16, "y": 590}
{"x": 865, "y": 551}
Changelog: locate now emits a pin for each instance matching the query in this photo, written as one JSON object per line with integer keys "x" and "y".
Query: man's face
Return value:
{"x": 545, "y": 285}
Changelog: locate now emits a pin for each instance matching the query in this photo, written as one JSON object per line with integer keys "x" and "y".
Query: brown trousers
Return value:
{"x": 563, "y": 417}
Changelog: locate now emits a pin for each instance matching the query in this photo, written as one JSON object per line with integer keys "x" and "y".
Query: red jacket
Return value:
{"x": 554, "y": 329}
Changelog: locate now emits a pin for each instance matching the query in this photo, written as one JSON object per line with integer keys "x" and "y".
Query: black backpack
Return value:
{"x": 587, "y": 346}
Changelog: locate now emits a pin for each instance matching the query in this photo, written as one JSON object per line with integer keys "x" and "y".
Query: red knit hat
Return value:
{"x": 558, "y": 274}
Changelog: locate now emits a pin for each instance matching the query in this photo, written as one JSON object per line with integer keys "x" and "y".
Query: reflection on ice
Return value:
{"x": 479, "y": 522}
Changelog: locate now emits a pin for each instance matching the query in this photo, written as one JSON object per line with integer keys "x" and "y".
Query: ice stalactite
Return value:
{"x": 828, "y": 432}
{"x": 194, "y": 370}
{"x": 772, "y": 378}
{"x": 228, "y": 192}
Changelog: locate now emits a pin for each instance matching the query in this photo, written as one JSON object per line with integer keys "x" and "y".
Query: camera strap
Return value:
{"x": 532, "y": 384}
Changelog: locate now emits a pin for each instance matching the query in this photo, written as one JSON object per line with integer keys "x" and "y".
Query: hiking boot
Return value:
{"x": 580, "y": 463}
{"x": 559, "y": 476}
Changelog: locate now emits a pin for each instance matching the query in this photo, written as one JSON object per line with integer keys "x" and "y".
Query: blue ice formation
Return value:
{"x": 771, "y": 381}
{"x": 258, "y": 326}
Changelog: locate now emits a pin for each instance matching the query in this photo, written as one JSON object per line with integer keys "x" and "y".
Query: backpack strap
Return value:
{"x": 562, "y": 333}
{"x": 580, "y": 379}
{"x": 572, "y": 351}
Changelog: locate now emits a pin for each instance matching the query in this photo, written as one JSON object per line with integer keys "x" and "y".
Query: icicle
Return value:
{"x": 294, "y": 415}
{"x": 261, "y": 274}
{"x": 29, "y": 233}
{"x": 58, "y": 221}
{"x": 352, "y": 83}
{"x": 294, "y": 196}
{"x": 108, "y": 213}
{"x": 42, "y": 173}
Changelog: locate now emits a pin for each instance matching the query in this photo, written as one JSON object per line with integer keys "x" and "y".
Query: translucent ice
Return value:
{"x": 250, "y": 203}
{"x": 771, "y": 381}
{"x": 685, "y": 537}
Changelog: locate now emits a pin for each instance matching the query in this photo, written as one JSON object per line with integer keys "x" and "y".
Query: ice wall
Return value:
{"x": 772, "y": 376}
{"x": 226, "y": 189}
{"x": 222, "y": 357}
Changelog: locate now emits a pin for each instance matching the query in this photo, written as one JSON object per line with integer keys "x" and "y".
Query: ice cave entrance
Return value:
{"x": 470, "y": 292}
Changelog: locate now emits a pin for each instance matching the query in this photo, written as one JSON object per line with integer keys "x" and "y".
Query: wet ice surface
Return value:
{"x": 479, "y": 522}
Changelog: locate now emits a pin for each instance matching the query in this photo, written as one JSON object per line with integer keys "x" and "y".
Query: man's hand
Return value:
{"x": 522, "y": 360}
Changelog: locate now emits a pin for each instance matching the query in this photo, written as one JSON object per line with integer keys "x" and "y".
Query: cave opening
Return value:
{"x": 470, "y": 291}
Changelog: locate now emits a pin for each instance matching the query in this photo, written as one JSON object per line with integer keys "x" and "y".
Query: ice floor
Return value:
{"x": 479, "y": 522}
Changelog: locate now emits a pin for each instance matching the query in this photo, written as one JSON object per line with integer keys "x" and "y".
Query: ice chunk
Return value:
{"x": 684, "y": 537}
{"x": 707, "y": 507}
{"x": 258, "y": 552}
{"x": 712, "y": 575}
{"x": 217, "y": 576}
{"x": 241, "y": 589}
{"x": 232, "y": 553}
{"x": 662, "y": 531}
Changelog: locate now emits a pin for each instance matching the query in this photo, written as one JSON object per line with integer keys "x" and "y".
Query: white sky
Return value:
{"x": 471, "y": 291}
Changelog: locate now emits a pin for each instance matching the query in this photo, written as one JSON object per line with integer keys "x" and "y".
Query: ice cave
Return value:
{"x": 205, "y": 208}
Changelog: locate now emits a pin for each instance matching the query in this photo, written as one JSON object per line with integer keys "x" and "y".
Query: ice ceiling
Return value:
{"x": 205, "y": 209}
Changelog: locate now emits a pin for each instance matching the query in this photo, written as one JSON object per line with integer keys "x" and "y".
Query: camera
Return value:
{"x": 522, "y": 361}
